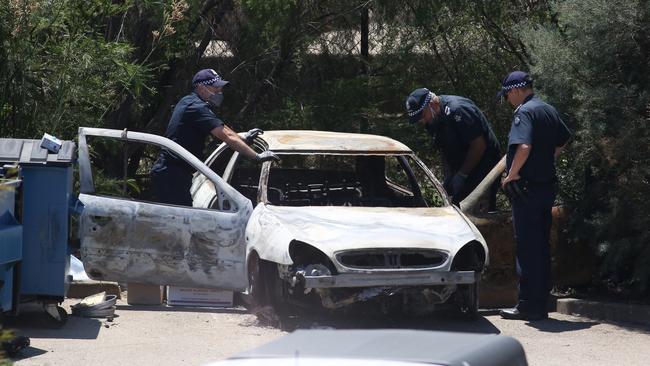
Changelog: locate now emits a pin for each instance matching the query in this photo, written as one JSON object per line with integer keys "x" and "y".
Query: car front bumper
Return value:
{"x": 390, "y": 279}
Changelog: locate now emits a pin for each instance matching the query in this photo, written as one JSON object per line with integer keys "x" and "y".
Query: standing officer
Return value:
{"x": 537, "y": 137}
{"x": 464, "y": 137}
{"x": 191, "y": 121}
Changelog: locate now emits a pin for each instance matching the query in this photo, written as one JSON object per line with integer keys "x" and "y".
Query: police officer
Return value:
{"x": 468, "y": 147}
{"x": 191, "y": 122}
{"x": 537, "y": 136}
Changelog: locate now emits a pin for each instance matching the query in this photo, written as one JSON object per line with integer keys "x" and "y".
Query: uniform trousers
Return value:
{"x": 532, "y": 223}
{"x": 171, "y": 183}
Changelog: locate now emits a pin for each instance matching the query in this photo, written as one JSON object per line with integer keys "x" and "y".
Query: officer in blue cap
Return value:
{"x": 192, "y": 120}
{"x": 537, "y": 136}
{"x": 468, "y": 146}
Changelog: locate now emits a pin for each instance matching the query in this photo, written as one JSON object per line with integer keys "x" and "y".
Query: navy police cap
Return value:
{"x": 516, "y": 79}
{"x": 415, "y": 103}
{"x": 208, "y": 77}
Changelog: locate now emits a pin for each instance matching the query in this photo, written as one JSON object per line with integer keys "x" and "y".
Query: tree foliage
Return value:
{"x": 57, "y": 70}
{"x": 347, "y": 66}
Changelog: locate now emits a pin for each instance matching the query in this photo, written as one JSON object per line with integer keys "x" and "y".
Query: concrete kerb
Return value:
{"x": 612, "y": 312}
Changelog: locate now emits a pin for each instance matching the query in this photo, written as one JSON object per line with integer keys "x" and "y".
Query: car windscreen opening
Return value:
{"x": 351, "y": 180}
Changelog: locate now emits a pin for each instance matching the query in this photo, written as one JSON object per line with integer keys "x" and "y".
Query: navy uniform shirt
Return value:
{"x": 538, "y": 124}
{"x": 460, "y": 122}
{"x": 191, "y": 121}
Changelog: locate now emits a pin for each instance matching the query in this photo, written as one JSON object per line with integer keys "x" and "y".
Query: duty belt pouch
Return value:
{"x": 516, "y": 190}
{"x": 174, "y": 162}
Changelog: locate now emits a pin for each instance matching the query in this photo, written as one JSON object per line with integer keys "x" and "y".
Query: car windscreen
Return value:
{"x": 351, "y": 180}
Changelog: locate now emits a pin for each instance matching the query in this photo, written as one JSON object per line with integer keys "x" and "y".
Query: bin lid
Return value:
{"x": 26, "y": 151}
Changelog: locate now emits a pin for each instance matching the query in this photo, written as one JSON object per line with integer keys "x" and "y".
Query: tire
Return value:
{"x": 266, "y": 292}
{"x": 468, "y": 302}
{"x": 467, "y": 296}
{"x": 274, "y": 288}
{"x": 256, "y": 287}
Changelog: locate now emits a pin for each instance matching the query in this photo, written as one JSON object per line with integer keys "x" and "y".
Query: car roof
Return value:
{"x": 314, "y": 361}
{"x": 297, "y": 141}
{"x": 406, "y": 345}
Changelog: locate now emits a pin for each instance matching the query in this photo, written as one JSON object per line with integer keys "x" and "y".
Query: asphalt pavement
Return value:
{"x": 161, "y": 335}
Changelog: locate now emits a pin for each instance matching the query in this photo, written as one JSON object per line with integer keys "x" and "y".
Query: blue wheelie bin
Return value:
{"x": 42, "y": 208}
{"x": 11, "y": 243}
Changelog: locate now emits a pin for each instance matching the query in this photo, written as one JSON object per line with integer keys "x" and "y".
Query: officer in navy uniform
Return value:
{"x": 537, "y": 136}
{"x": 191, "y": 122}
{"x": 468, "y": 147}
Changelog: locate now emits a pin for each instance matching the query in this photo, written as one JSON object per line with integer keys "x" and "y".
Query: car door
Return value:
{"x": 145, "y": 242}
{"x": 203, "y": 190}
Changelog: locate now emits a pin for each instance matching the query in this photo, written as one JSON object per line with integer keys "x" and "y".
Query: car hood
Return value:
{"x": 333, "y": 229}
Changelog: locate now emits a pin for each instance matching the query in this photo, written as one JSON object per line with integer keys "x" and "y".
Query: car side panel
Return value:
{"x": 268, "y": 237}
{"x": 130, "y": 241}
{"x": 153, "y": 243}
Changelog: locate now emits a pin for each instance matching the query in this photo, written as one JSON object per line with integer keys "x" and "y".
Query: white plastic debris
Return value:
{"x": 77, "y": 270}
{"x": 51, "y": 143}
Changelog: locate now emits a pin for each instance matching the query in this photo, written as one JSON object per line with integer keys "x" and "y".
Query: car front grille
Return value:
{"x": 392, "y": 258}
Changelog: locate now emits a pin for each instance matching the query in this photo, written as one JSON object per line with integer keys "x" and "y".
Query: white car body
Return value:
{"x": 220, "y": 242}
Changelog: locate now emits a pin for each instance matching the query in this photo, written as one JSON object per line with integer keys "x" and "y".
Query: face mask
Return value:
{"x": 215, "y": 99}
{"x": 434, "y": 118}
{"x": 434, "y": 124}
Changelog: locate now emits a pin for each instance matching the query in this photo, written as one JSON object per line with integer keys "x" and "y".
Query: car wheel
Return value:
{"x": 256, "y": 287}
{"x": 266, "y": 292}
{"x": 467, "y": 296}
{"x": 273, "y": 287}
{"x": 469, "y": 300}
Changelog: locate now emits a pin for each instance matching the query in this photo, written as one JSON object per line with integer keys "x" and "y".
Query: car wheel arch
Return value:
{"x": 302, "y": 253}
{"x": 470, "y": 257}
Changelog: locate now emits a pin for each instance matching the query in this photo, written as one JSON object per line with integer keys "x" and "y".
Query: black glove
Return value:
{"x": 266, "y": 156}
{"x": 516, "y": 189}
{"x": 457, "y": 183}
{"x": 252, "y": 134}
{"x": 447, "y": 184}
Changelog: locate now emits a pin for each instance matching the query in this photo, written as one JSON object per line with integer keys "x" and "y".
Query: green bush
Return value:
{"x": 58, "y": 72}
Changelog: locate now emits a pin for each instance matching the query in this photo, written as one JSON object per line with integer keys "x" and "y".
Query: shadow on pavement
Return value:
{"x": 557, "y": 326}
{"x": 40, "y": 325}
{"x": 441, "y": 321}
{"x": 28, "y": 353}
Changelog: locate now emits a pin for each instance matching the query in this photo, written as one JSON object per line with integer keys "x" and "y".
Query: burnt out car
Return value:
{"x": 341, "y": 219}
